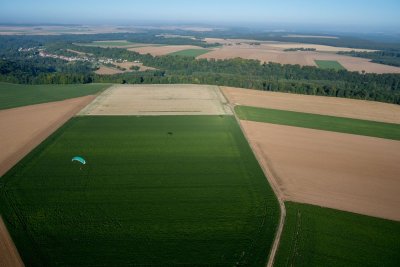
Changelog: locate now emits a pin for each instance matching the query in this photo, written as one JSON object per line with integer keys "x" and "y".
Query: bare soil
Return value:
{"x": 179, "y": 99}
{"x": 274, "y": 52}
{"x": 341, "y": 107}
{"x": 127, "y": 65}
{"x": 342, "y": 171}
{"x": 9, "y": 256}
{"x": 22, "y": 129}
{"x": 104, "y": 70}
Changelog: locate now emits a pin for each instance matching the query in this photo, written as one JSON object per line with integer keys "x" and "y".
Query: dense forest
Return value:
{"x": 27, "y": 67}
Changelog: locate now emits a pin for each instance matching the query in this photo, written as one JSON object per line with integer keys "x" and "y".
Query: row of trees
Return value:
{"x": 391, "y": 58}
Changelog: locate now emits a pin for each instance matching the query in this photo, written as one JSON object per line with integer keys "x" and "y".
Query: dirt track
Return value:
{"x": 341, "y": 171}
{"x": 9, "y": 256}
{"x": 24, "y": 128}
{"x": 341, "y": 107}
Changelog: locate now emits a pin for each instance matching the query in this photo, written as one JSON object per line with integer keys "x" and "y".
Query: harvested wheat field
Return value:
{"x": 342, "y": 171}
{"x": 332, "y": 106}
{"x": 22, "y": 129}
{"x": 104, "y": 70}
{"x": 162, "y": 50}
{"x": 274, "y": 52}
{"x": 128, "y": 65}
{"x": 176, "y": 99}
{"x": 247, "y": 51}
{"x": 9, "y": 253}
{"x": 283, "y": 45}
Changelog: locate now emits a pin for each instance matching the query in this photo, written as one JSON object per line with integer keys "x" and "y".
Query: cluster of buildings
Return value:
{"x": 43, "y": 53}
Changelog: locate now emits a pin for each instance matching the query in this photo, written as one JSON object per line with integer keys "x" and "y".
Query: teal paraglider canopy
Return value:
{"x": 79, "y": 159}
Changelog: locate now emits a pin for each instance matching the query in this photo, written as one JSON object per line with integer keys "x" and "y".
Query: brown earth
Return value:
{"x": 274, "y": 52}
{"x": 281, "y": 45}
{"x": 104, "y": 70}
{"x": 9, "y": 256}
{"x": 342, "y": 171}
{"x": 22, "y": 129}
{"x": 333, "y": 106}
{"x": 127, "y": 65}
{"x": 162, "y": 50}
{"x": 159, "y": 99}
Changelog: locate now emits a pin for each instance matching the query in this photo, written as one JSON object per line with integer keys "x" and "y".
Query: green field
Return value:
{"x": 126, "y": 44}
{"x": 156, "y": 191}
{"x": 17, "y": 95}
{"x": 329, "y": 64}
{"x": 315, "y": 236}
{"x": 320, "y": 122}
{"x": 111, "y": 43}
{"x": 190, "y": 52}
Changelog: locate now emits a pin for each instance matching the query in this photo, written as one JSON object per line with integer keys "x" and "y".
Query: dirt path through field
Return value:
{"x": 9, "y": 256}
{"x": 278, "y": 193}
{"x": 342, "y": 171}
{"x": 23, "y": 128}
{"x": 333, "y": 106}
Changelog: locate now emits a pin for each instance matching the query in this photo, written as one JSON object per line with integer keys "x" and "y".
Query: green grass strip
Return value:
{"x": 190, "y": 52}
{"x": 18, "y": 95}
{"x": 315, "y": 236}
{"x": 329, "y": 64}
{"x": 320, "y": 122}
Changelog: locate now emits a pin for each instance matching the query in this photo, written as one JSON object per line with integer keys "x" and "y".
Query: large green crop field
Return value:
{"x": 17, "y": 95}
{"x": 315, "y": 236}
{"x": 190, "y": 52}
{"x": 329, "y": 64}
{"x": 320, "y": 122}
{"x": 156, "y": 191}
{"x": 121, "y": 43}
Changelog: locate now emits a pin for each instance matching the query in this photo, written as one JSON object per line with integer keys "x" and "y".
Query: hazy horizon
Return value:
{"x": 340, "y": 15}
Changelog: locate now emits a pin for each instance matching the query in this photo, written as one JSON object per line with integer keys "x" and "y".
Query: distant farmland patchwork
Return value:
{"x": 166, "y": 190}
{"x": 115, "y": 44}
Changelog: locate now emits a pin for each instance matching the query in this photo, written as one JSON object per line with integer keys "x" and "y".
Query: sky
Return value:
{"x": 368, "y": 14}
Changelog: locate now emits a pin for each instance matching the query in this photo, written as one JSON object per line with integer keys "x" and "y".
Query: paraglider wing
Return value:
{"x": 79, "y": 159}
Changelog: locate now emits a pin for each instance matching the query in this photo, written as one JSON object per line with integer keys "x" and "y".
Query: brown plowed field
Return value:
{"x": 341, "y": 107}
{"x": 159, "y": 99}
{"x": 9, "y": 256}
{"x": 22, "y": 129}
{"x": 274, "y": 52}
{"x": 341, "y": 171}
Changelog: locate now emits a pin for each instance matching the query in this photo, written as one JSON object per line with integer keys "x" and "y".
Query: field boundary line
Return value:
{"x": 7, "y": 246}
{"x": 272, "y": 181}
